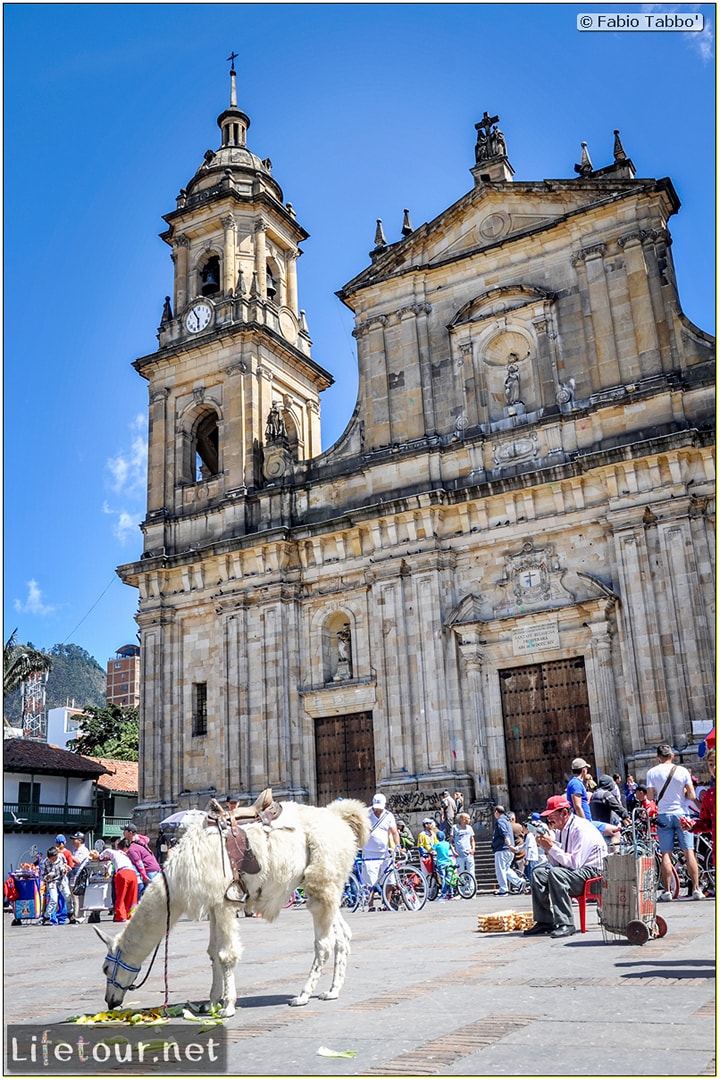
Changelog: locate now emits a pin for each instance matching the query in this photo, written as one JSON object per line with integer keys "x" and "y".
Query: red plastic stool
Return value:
{"x": 588, "y": 893}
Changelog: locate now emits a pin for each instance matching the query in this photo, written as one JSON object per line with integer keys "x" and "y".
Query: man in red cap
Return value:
{"x": 575, "y": 853}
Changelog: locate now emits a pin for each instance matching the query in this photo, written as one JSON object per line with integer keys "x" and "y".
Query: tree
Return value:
{"x": 76, "y": 678}
{"x": 20, "y": 662}
{"x": 111, "y": 732}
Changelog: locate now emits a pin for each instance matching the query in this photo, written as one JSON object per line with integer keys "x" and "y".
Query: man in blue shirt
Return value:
{"x": 576, "y": 792}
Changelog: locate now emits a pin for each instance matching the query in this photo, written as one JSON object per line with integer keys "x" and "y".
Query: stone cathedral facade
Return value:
{"x": 504, "y": 562}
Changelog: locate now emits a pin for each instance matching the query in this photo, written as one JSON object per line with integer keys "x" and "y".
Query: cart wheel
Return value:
{"x": 637, "y": 932}
{"x": 660, "y": 926}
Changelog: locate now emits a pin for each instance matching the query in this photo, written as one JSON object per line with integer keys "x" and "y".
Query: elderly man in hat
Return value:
{"x": 575, "y": 852}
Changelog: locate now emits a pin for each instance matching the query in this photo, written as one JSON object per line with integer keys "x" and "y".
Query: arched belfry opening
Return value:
{"x": 206, "y": 447}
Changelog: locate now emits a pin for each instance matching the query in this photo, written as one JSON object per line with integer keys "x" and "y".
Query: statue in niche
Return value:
{"x": 344, "y": 667}
{"x": 512, "y": 381}
{"x": 275, "y": 427}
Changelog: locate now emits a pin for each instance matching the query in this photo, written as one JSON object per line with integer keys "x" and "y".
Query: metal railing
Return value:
{"x": 53, "y": 815}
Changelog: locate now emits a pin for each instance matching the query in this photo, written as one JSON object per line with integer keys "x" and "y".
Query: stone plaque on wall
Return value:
{"x": 536, "y": 638}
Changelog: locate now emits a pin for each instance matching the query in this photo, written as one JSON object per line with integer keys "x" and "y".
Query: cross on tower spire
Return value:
{"x": 233, "y": 89}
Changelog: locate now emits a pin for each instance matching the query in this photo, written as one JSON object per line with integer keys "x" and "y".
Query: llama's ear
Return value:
{"x": 105, "y": 938}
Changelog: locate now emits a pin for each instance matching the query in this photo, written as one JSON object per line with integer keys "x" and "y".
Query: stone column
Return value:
{"x": 473, "y": 659}
{"x": 158, "y": 711}
{"x": 640, "y": 651}
{"x": 311, "y": 434}
{"x": 643, "y": 316}
{"x": 609, "y": 745}
{"x": 690, "y": 679}
{"x": 606, "y": 370}
{"x": 546, "y": 362}
{"x": 159, "y": 453}
{"x": 261, "y": 257}
{"x": 373, "y": 381}
{"x": 228, "y": 224}
{"x": 235, "y": 450}
{"x": 291, "y": 258}
{"x": 181, "y": 256}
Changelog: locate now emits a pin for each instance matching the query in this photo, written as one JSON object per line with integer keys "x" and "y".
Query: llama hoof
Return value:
{"x": 329, "y": 995}
{"x": 227, "y": 1010}
{"x": 301, "y": 999}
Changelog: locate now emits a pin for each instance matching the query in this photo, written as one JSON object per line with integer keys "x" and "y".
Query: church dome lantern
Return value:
{"x": 233, "y": 122}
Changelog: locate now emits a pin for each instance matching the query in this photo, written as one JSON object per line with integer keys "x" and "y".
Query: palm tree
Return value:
{"x": 20, "y": 662}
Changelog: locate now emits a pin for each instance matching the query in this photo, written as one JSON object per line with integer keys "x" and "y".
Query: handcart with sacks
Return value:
{"x": 629, "y": 888}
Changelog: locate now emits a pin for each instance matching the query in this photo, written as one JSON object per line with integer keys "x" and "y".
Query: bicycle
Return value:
{"x": 298, "y": 899}
{"x": 399, "y": 885}
{"x": 461, "y": 884}
{"x": 706, "y": 867}
{"x": 632, "y": 839}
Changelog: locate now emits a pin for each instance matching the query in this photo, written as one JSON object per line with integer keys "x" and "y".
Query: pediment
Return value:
{"x": 482, "y": 219}
{"x": 500, "y": 301}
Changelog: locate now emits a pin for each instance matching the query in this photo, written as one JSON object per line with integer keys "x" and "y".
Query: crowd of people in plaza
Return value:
{"x": 446, "y": 845}
{"x": 551, "y": 855}
{"x": 64, "y": 874}
{"x": 579, "y": 829}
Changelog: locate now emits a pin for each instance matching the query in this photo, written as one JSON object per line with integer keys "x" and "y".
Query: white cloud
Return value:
{"x": 126, "y": 477}
{"x": 34, "y": 605}
{"x": 702, "y": 41}
{"x": 127, "y": 469}
{"x": 126, "y": 523}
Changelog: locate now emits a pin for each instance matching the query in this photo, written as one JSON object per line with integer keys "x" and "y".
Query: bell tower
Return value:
{"x": 233, "y": 349}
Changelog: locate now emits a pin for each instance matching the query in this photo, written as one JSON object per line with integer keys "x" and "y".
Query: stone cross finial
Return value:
{"x": 585, "y": 167}
{"x": 486, "y": 124}
{"x": 490, "y": 139}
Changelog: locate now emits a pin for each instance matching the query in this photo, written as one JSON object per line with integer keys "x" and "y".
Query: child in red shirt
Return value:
{"x": 647, "y": 807}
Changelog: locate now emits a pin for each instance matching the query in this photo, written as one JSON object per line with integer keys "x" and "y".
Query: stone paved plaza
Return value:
{"x": 426, "y": 994}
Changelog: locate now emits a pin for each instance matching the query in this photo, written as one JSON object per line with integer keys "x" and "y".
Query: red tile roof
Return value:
{"x": 31, "y": 756}
{"x": 122, "y": 776}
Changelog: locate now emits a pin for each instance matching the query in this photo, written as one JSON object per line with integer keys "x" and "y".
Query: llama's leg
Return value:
{"x": 224, "y": 950}
{"x": 323, "y": 919}
{"x": 343, "y": 934}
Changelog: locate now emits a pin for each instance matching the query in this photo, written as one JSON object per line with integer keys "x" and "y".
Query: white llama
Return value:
{"x": 306, "y": 847}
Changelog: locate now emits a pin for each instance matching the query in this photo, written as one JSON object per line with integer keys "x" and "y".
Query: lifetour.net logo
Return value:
{"x": 72, "y": 1050}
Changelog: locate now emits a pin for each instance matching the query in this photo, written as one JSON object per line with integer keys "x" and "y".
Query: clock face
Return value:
{"x": 198, "y": 317}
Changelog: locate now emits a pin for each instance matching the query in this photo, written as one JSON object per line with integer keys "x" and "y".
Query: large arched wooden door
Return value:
{"x": 345, "y": 757}
{"x": 546, "y": 717}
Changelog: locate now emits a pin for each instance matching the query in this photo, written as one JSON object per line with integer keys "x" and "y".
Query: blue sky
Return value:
{"x": 365, "y": 109}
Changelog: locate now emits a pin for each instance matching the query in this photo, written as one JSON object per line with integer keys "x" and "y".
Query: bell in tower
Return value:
{"x": 210, "y": 277}
{"x": 270, "y": 284}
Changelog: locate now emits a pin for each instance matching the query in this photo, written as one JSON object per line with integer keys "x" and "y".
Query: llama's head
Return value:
{"x": 119, "y": 974}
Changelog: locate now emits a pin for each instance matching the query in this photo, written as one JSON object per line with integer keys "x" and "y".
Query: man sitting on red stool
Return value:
{"x": 576, "y": 852}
